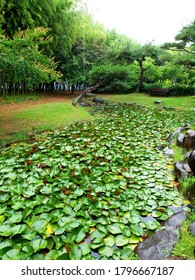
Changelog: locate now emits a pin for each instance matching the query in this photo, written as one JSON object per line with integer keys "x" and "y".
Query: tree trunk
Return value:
{"x": 4, "y": 86}
{"x": 72, "y": 89}
{"x": 141, "y": 76}
{"x": 83, "y": 93}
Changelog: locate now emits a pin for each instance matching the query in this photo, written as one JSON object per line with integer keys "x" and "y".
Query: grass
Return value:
{"x": 184, "y": 102}
{"x": 39, "y": 118}
{"x": 185, "y": 246}
{"x": 20, "y": 98}
{"x": 179, "y": 153}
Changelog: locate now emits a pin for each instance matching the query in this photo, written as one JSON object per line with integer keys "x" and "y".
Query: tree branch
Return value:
{"x": 90, "y": 89}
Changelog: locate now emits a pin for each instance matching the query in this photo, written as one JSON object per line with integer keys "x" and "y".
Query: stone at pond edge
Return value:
{"x": 191, "y": 228}
{"x": 158, "y": 101}
{"x": 161, "y": 243}
{"x": 180, "y": 139}
{"x": 98, "y": 100}
{"x": 181, "y": 170}
{"x": 189, "y": 142}
{"x": 176, "y": 219}
{"x": 158, "y": 246}
{"x": 191, "y": 161}
{"x": 168, "y": 152}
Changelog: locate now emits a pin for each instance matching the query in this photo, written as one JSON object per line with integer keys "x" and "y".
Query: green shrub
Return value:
{"x": 181, "y": 90}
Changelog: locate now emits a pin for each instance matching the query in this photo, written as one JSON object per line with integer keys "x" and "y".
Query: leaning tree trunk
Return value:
{"x": 90, "y": 89}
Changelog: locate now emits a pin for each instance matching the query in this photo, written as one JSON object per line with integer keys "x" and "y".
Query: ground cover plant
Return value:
{"x": 92, "y": 190}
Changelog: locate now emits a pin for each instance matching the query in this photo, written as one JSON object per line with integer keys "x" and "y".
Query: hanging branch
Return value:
{"x": 90, "y": 89}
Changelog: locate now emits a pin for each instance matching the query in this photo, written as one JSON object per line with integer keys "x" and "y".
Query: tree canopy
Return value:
{"x": 82, "y": 50}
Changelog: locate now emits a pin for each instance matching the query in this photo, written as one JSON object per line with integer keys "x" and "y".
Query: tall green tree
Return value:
{"x": 22, "y": 64}
{"x": 185, "y": 45}
{"x": 87, "y": 51}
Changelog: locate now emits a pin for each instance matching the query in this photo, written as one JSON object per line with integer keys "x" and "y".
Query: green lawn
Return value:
{"x": 186, "y": 102}
{"x": 51, "y": 115}
{"x": 40, "y": 117}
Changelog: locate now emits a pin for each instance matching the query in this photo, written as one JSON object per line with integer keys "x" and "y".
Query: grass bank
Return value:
{"x": 39, "y": 118}
{"x": 184, "y": 102}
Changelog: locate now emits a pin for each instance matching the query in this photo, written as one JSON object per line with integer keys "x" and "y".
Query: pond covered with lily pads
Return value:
{"x": 90, "y": 191}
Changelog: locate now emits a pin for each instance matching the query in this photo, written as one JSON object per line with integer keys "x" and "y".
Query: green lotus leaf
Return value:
{"x": 116, "y": 228}
{"x": 28, "y": 233}
{"x": 38, "y": 243}
{"x": 106, "y": 251}
{"x": 109, "y": 241}
{"x": 75, "y": 252}
{"x": 16, "y": 217}
{"x": 81, "y": 235}
{"x": 121, "y": 240}
{"x": 13, "y": 254}
{"x": 137, "y": 230}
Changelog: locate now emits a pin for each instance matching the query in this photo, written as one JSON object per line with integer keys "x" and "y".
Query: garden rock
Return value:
{"x": 162, "y": 242}
{"x": 189, "y": 142}
{"x": 180, "y": 139}
{"x": 158, "y": 246}
{"x": 192, "y": 228}
{"x": 191, "y": 161}
{"x": 98, "y": 100}
{"x": 181, "y": 170}
{"x": 83, "y": 104}
{"x": 176, "y": 219}
{"x": 158, "y": 101}
{"x": 168, "y": 152}
{"x": 187, "y": 155}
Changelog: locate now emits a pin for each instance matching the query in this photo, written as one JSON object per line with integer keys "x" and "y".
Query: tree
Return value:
{"x": 103, "y": 75}
{"x": 125, "y": 51}
{"x": 87, "y": 51}
{"x": 185, "y": 45}
{"x": 22, "y": 63}
{"x": 140, "y": 55}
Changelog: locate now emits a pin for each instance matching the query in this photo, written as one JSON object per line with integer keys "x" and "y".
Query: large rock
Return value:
{"x": 191, "y": 161}
{"x": 158, "y": 246}
{"x": 176, "y": 219}
{"x": 161, "y": 243}
{"x": 189, "y": 142}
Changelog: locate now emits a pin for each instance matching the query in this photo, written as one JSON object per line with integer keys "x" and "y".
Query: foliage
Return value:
{"x": 96, "y": 187}
{"x": 186, "y": 186}
{"x": 181, "y": 90}
{"x": 118, "y": 78}
{"x": 185, "y": 246}
{"x": 87, "y": 51}
{"x": 22, "y": 62}
{"x": 185, "y": 44}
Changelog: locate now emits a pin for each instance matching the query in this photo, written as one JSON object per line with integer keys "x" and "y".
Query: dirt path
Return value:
{"x": 7, "y": 109}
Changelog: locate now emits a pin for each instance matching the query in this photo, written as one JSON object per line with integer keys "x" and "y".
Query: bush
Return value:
{"x": 181, "y": 90}
{"x": 174, "y": 90}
